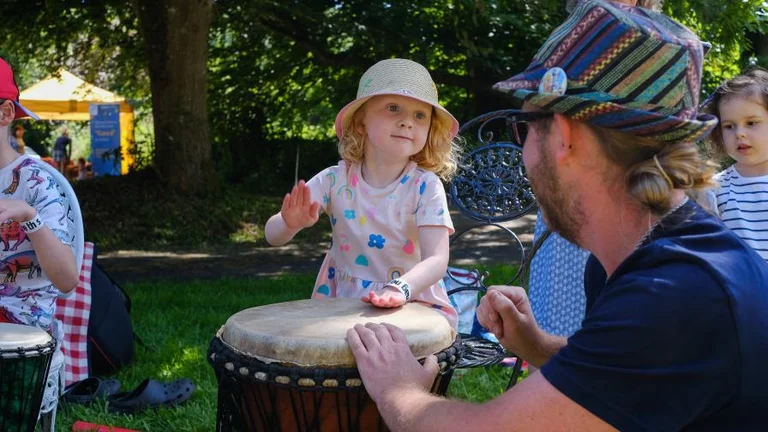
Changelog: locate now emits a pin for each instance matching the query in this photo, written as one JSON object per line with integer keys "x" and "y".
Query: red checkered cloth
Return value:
{"x": 73, "y": 311}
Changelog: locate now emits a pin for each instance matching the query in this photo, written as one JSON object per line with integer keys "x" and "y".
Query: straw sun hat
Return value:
{"x": 396, "y": 77}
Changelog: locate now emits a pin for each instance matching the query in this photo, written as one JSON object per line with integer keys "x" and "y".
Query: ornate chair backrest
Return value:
{"x": 490, "y": 185}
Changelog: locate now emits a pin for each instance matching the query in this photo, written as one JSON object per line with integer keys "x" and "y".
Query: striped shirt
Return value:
{"x": 742, "y": 204}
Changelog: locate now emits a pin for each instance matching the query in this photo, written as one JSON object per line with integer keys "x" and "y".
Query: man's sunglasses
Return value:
{"x": 519, "y": 123}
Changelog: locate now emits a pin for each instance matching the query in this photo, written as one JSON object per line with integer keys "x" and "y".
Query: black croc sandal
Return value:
{"x": 151, "y": 394}
{"x": 85, "y": 391}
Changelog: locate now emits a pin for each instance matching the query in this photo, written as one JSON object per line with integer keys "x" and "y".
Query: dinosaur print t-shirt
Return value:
{"x": 26, "y": 294}
{"x": 376, "y": 231}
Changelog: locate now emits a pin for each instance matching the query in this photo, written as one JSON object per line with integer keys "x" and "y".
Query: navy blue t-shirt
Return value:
{"x": 677, "y": 337}
{"x": 62, "y": 143}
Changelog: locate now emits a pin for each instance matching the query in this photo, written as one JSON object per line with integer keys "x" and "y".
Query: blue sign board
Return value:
{"x": 105, "y": 139}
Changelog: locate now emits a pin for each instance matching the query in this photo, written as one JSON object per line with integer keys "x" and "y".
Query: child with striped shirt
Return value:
{"x": 741, "y": 201}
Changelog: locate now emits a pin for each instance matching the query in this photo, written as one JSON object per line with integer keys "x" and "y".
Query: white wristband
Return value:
{"x": 32, "y": 225}
{"x": 403, "y": 286}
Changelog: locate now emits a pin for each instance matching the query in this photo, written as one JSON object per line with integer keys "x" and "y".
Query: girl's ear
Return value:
{"x": 7, "y": 113}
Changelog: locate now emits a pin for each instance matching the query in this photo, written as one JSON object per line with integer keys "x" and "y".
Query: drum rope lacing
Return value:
{"x": 223, "y": 358}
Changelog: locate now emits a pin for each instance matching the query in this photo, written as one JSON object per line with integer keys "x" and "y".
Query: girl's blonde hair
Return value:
{"x": 439, "y": 155}
{"x": 752, "y": 83}
{"x": 652, "y": 169}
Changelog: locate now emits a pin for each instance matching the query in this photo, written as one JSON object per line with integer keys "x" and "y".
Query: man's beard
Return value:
{"x": 561, "y": 210}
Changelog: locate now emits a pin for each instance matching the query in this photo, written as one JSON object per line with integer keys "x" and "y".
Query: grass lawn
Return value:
{"x": 177, "y": 322}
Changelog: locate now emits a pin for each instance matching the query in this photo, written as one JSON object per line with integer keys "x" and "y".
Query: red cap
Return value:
{"x": 9, "y": 90}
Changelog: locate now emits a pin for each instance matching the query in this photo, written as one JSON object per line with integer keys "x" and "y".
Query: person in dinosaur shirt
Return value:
{"x": 37, "y": 260}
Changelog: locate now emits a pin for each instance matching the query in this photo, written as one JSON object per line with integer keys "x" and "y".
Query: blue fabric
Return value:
{"x": 59, "y": 155}
{"x": 556, "y": 284}
{"x": 62, "y": 143}
{"x": 677, "y": 337}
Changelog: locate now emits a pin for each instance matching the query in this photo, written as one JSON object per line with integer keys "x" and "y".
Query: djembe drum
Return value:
{"x": 25, "y": 357}
{"x": 287, "y": 366}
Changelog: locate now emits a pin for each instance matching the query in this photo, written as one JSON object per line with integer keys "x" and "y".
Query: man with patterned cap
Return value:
{"x": 676, "y": 334}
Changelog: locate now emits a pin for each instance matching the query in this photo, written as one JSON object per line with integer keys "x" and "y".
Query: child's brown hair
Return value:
{"x": 753, "y": 83}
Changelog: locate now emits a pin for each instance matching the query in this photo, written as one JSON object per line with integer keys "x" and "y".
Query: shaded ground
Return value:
{"x": 485, "y": 245}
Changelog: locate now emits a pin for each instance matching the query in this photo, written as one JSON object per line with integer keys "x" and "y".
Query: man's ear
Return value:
{"x": 565, "y": 132}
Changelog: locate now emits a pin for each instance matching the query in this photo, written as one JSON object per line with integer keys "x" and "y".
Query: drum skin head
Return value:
{"x": 14, "y": 336}
{"x": 314, "y": 332}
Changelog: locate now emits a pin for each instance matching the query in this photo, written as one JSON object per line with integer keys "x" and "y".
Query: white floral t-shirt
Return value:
{"x": 376, "y": 231}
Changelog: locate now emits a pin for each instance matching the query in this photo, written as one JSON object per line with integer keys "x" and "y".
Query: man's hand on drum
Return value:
{"x": 506, "y": 312}
{"x": 388, "y": 297}
{"x": 386, "y": 363}
{"x": 298, "y": 211}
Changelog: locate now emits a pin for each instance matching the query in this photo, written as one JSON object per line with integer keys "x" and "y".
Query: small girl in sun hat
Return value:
{"x": 385, "y": 199}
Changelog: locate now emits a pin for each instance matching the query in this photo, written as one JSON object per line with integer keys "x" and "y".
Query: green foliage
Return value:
{"x": 723, "y": 24}
{"x": 138, "y": 211}
{"x": 96, "y": 40}
{"x": 301, "y": 60}
{"x": 280, "y": 71}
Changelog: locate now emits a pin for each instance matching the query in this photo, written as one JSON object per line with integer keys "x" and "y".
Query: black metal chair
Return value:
{"x": 490, "y": 187}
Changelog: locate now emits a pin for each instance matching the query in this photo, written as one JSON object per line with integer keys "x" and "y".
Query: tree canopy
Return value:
{"x": 278, "y": 71}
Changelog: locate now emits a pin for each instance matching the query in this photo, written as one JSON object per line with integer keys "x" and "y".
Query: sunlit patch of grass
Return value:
{"x": 177, "y": 322}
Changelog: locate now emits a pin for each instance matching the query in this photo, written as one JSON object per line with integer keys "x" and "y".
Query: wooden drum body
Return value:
{"x": 287, "y": 366}
{"x": 25, "y": 357}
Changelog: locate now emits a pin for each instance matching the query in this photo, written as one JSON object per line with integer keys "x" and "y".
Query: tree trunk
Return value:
{"x": 176, "y": 36}
{"x": 484, "y": 98}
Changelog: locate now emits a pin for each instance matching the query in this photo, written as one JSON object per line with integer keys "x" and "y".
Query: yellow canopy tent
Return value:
{"x": 63, "y": 96}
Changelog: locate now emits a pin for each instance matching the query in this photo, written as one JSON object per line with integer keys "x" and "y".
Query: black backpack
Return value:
{"x": 110, "y": 332}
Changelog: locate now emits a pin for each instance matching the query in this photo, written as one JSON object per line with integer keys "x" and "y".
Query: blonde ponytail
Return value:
{"x": 654, "y": 169}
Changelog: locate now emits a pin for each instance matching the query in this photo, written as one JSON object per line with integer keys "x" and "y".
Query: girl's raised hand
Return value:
{"x": 298, "y": 211}
{"x": 389, "y": 297}
{"x": 17, "y": 210}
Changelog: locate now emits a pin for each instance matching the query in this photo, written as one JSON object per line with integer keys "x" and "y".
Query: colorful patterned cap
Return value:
{"x": 619, "y": 67}
{"x": 396, "y": 77}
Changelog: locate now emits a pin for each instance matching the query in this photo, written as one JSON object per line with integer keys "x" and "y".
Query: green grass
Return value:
{"x": 177, "y": 322}
{"x": 479, "y": 384}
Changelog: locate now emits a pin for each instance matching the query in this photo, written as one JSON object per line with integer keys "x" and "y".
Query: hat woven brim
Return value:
{"x": 22, "y": 112}
{"x": 346, "y": 113}
{"x": 624, "y": 118}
